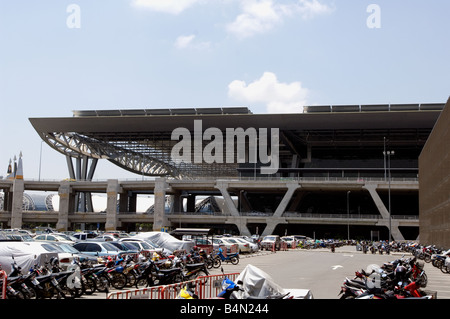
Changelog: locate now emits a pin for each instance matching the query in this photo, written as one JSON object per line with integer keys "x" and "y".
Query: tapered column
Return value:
{"x": 66, "y": 204}
{"x": 17, "y": 203}
{"x": 112, "y": 191}
{"x": 395, "y": 231}
{"x": 292, "y": 187}
{"x": 160, "y": 219}
{"x": 229, "y": 204}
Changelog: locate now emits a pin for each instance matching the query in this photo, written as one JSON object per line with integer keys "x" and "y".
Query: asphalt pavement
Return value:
{"x": 320, "y": 270}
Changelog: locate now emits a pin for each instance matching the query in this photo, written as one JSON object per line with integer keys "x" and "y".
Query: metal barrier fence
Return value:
{"x": 4, "y": 279}
{"x": 205, "y": 287}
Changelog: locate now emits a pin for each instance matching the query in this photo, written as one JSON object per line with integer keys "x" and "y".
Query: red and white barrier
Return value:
{"x": 205, "y": 287}
{"x": 4, "y": 278}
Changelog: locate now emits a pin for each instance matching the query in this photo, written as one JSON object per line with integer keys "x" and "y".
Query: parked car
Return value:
{"x": 153, "y": 246}
{"x": 290, "y": 241}
{"x": 68, "y": 248}
{"x": 253, "y": 245}
{"x": 269, "y": 241}
{"x": 65, "y": 258}
{"x": 127, "y": 247}
{"x": 54, "y": 238}
{"x": 228, "y": 245}
{"x": 98, "y": 248}
{"x": 84, "y": 236}
{"x": 143, "y": 247}
{"x": 244, "y": 246}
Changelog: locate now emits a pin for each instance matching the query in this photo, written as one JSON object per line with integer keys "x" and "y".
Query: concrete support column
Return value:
{"x": 17, "y": 203}
{"x": 123, "y": 202}
{"x": 190, "y": 205}
{"x": 372, "y": 189}
{"x": 241, "y": 223}
{"x": 222, "y": 186}
{"x": 231, "y": 208}
{"x": 292, "y": 187}
{"x": 272, "y": 222}
{"x": 66, "y": 200}
{"x": 176, "y": 201}
{"x": 395, "y": 231}
{"x": 112, "y": 190}
{"x": 160, "y": 219}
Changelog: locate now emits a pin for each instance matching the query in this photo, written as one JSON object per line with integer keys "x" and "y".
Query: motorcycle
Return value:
{"x": 244, "y": 289}
{"x": 46, "y": 284}
{"x": 233, "y": 258}
{"x": 151, "y": 275}
{"x": 192, "y": 271}
{"x": 187, "y": 292}
{"x": 17, "y": 282}
{"x": 399, "y": 279}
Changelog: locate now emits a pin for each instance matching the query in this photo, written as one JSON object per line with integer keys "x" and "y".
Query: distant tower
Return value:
{"x": 9, "y": 172}
{"x": 19, "y": 172}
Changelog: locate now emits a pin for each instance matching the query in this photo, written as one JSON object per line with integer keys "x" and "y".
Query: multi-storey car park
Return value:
{"x": 343, "y": 171}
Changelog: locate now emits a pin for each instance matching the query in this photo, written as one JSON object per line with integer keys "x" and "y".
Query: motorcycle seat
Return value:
{"x": 193, "y": 266}
{"x": 170, "y": 270}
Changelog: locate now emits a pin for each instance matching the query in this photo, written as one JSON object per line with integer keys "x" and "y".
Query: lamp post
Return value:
{"x": 348, "y": 215}
{"x": 389, "y": 154}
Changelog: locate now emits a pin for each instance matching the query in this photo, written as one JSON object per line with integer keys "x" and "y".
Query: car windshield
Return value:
{"x": 108, "y": 246}
{"x": 69, "y": 249}
{"x": 128, "y": 245}
{"x": 154, "y": 245}
{"x": 54, "y": 248}
{"x": 67, "y": 237}
{"x": 269, "y": 238}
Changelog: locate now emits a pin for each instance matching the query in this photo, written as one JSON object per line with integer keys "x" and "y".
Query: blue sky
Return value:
{"x": 272, "y": 56}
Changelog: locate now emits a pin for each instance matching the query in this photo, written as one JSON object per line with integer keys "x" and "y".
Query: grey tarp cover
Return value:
{"x": 257, "y": 283}
{"x": 26, "y": 255}
{"x": 166, "y": 241}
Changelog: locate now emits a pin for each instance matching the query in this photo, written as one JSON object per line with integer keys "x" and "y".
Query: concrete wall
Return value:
{"x": 434, "y": 184}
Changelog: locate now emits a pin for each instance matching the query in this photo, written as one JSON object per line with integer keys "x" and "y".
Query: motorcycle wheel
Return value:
{"x": 29, "y": 293}
{"x": 131, "y": 279}
{"x": 178, "y": 278}
{"x": 102, "y": 283}
{"x": 209, "y": 263}
{"x": 89, "y": 286}
{"x": 444, "y": 269}
{"x": 119, "y": 280}
{"x": 234, "y": 260}
{"x": 217, "y": 263}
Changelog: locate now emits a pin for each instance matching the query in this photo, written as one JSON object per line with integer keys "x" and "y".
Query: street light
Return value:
{"x": 348, "y": 215}
{"x": 389, "y": 154}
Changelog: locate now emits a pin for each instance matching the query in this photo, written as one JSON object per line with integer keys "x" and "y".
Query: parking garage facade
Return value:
{"x": 343, "y": 171}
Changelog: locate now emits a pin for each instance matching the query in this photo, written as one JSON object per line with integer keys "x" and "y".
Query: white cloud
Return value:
{"x": 276, "y": 96}
{"x": 184, "y": 41}
{"x": 259, "y": 16}
{"x": 167, "y": 6}
{"x": 188, "y": 41}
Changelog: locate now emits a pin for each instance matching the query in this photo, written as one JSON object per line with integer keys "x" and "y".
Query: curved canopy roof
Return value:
{"x": 140, "y": 140}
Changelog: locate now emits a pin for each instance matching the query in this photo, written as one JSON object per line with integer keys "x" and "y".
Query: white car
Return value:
{"x": 290, "y": 240}
{"x": 231, "y": 247}
{"x": 54, "y": 238}
{"x": 253, "y": 246}
{"x": 244, "y": 247}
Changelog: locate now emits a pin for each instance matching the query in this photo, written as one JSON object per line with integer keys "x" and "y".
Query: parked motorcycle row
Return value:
{"x": 50, "y": 281}
{"x": 437, "y": 257}
{"x": 399, "y": 279}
